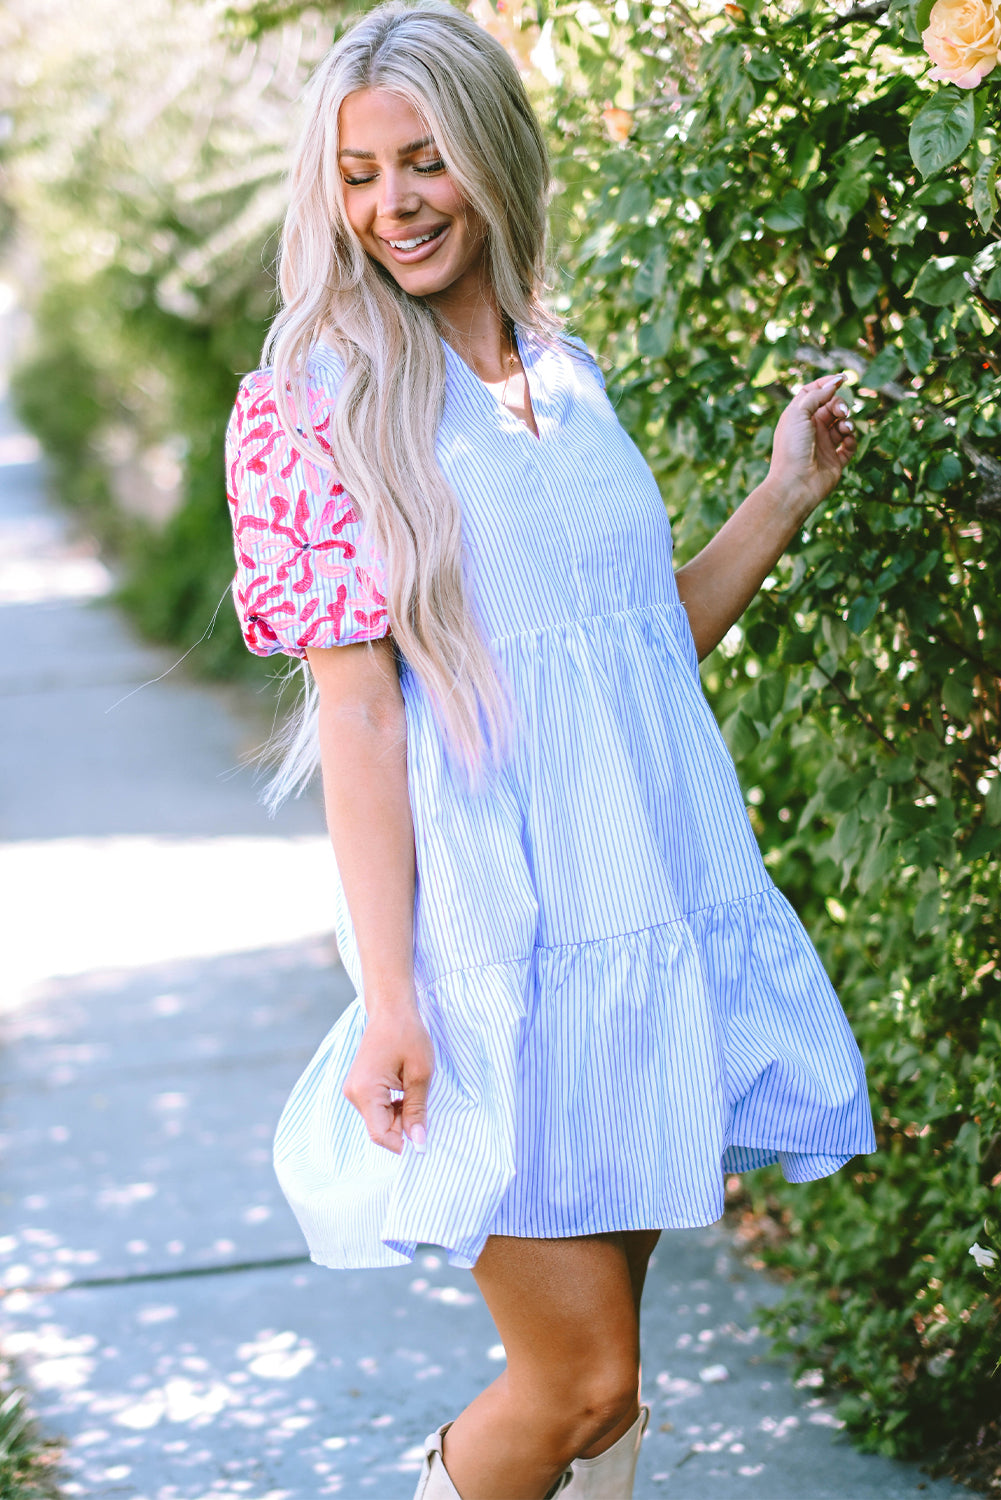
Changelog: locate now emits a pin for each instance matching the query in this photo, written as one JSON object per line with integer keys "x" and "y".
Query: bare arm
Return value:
{"x": 363, "y": 751}
{"x": 813, "y": 442}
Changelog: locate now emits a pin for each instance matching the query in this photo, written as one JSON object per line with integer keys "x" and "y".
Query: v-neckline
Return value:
{"x": 494, "y": 399}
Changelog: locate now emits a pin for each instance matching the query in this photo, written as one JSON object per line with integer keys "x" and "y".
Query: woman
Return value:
{"x": 583, "y": 998}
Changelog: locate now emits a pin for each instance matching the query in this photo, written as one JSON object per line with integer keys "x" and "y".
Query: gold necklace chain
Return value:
{"x": 511, "y": 359}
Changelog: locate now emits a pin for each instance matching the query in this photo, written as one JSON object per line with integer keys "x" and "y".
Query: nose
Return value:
{"x": 398, "y": 198}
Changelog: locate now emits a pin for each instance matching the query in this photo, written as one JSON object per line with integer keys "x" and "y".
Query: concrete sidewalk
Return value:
{"x": 165, "y": 983}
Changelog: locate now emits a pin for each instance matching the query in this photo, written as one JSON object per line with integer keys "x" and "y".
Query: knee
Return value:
{"x": 590, "y": 1404}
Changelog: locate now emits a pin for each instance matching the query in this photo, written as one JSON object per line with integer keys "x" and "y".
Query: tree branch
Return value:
{"x": 859, "y": 713}
{"x": 990, "y": 308}
{"x": 988, "y": 503}
{"x": 870, "y": 11}
{"x": 848, "y": 359}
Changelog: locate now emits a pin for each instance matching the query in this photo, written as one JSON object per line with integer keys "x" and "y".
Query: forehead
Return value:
{"x": 377, "y": 122}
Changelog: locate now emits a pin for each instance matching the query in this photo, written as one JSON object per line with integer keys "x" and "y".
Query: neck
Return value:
{"x": 472, "y": 323}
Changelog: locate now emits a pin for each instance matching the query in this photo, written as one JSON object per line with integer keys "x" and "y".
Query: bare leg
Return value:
{"x": 566, "y": 1311}
{"x": 639, "y": 1245}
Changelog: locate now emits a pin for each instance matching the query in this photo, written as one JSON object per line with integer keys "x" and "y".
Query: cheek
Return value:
{"x": 447, "y": 199}
{"x": 357, "y": 212}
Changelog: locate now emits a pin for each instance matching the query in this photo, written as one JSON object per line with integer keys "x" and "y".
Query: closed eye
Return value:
{"x": 426, "y": 169}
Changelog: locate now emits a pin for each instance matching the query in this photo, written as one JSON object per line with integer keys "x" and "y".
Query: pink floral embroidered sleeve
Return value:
{"x": 306, "y": 574}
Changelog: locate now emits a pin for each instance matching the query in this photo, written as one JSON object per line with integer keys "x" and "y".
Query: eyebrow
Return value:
{"x": 407, "y": 150}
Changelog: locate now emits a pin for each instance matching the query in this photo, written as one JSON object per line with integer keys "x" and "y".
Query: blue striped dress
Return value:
{"x": 623, "y": 1006}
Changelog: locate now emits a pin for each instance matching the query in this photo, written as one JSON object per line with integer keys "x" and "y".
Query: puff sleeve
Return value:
{"x": 305, "y": 572}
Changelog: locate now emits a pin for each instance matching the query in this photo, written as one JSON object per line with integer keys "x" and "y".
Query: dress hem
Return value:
{"x": 404, "y": 1253}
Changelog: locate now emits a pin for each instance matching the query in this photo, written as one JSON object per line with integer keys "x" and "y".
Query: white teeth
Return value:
{"x": 412, "y": 244}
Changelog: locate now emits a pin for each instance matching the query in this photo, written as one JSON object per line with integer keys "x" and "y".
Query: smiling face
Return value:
{"x": 401, "y": 202}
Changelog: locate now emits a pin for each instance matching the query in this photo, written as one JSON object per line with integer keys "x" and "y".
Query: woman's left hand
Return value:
{"x": 814, "y": 440}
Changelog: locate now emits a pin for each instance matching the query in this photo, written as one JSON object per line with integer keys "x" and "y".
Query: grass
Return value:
{"x": 28, "y": 1462}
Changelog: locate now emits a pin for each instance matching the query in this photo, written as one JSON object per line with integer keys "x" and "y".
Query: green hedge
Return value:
{"x": 67, "y": 390}
{"x": 758, "y": 218}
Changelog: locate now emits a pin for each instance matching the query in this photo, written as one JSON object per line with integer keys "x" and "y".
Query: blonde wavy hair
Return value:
{"x": 392, "y": 395}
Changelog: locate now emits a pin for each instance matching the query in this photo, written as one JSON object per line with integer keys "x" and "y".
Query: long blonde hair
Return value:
{"x": 392, "y": 395}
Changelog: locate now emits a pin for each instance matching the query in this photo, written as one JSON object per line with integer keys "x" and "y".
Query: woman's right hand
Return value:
{"x": 395, "y": 1054}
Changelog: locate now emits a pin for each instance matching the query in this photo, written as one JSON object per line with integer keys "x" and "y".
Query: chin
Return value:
{"x": 416, "y": 285}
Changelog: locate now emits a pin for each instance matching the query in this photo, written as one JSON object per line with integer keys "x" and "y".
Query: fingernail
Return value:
{"x": 849, "y": 426}
{"x": 418, "y": 1137}
{"x": 842, "y": 408}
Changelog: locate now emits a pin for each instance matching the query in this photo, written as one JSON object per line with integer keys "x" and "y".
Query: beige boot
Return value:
{"x": 434, "y": 1483}
{"x": 610, "y": 1476}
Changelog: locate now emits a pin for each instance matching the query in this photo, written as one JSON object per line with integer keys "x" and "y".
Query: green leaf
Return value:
{"x": 788, "y": 213}
{"x": 993, "y": 287}
{"x": 957, "y": 698}
{"x": 864, "y": 280}
{"x": 934, "y": 194}
{"x": 941, "y": 130}
{"x": 898, "y": 770}
{"x": 633, "y": 201}
{"x": 805, "y": 156}
{"x": 850, "y": 194}
{"x": 648, "y": 282}
{"x": 984, "y": 841}
{"x": 926, "y": 913}
{"x": 655, "y": 338}
{"x": 906, "y": 227}
{"x": 884, "y": 368}
{"x": 865, "y": 675}
{"x": 764, "y": 67}
{"x": 922, "y": 14}
{"x": 846, "y": 832}
{"x": 944, "y": 472}
{"x": 941, "y": 281}
{"x": 857, "y": 155}
{"x": 918, "y": 346}
{"x": 771, "y": 691}
{"x": 875, "y": 866}
{"x": 823, "y": 81}
{"x": 797, "y": 646}
{"x": 985, "y": 193}
{"x": 906, "y": 15}
{"x": 742, "y": 736}
{"x": 862, "y": 612}
{"x": 992, "y": 802}
{"x": 762, "y": 637}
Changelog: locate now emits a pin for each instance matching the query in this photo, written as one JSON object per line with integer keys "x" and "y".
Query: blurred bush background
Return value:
{"x": 748, "y": 195}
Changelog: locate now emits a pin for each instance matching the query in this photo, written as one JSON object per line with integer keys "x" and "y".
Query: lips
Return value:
{"x": 412, "y": 241}
{"x": 428, "y": 241}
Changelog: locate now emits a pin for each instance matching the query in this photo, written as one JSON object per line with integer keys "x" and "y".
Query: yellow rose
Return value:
{"x": 511, "y": 25}
{"x": 963, "y": 40}
{"x": 618, "y": 124}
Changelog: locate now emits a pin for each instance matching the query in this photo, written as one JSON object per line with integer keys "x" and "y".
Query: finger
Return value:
{"x": 389, "y": 1136}
{"x": 835, "y": 420}
{"x": 818, "y": 393}
{"x": 839, "y": 421}
{"x": 415, "y": 1100}
{"x": 381, "y": 1117}
{"x": 832, "y": 448}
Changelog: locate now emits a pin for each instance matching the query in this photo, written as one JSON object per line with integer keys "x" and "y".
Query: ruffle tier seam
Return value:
{"x": 581, "y": 620}
{"x": 608, "y": 937}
